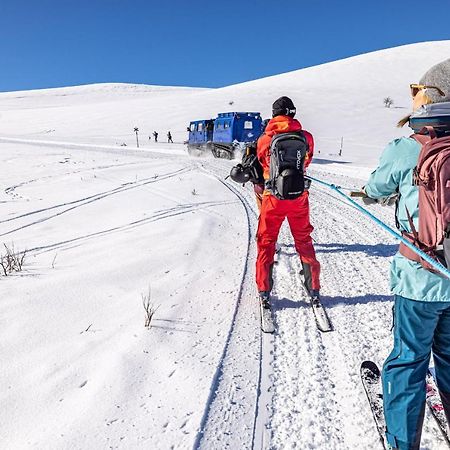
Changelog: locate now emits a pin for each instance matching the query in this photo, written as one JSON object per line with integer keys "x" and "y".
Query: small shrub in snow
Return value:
{"x": 388, "y": 102}
{"x": 149, "y": 307}
{"x": 12, "y": 261}
{"x": 194, "y": 192}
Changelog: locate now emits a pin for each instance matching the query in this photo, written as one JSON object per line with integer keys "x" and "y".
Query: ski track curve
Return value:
{"x": 10, "y": 190}
{"x": 229, "y": 419}
{"x": 75, "y": 204}
{"x": 236, "y": 415}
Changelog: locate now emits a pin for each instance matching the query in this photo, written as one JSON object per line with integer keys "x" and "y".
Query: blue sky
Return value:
{"x": 48, "y": 43}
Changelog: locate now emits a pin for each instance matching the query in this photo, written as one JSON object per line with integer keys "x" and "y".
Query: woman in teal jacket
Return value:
{"x": 421, "y": 298}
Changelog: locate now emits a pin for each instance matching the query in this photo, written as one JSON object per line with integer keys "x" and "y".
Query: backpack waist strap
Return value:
{"x": 410, "y": 254}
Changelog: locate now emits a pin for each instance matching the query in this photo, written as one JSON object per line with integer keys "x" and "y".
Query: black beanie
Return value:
{"x": 283, "y": 107}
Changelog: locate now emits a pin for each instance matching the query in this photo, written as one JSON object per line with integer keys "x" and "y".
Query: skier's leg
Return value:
{"x": 270, "y": 220}
{"x": 441, "y": 355}
{"x": 301, "y": 229}
{"x": 405, "y": 370}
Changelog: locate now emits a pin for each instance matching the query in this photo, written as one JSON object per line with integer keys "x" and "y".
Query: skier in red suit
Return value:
{"x": 274, "y": 210}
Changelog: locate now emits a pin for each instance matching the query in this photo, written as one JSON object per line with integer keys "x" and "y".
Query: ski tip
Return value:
{"x": 370, "y": 366}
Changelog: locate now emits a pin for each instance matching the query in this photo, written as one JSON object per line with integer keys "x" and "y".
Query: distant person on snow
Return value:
{"x": 421, "y": 297}
{"x": 169, "y": 137}
{"x": 155, "y": 135}
{"x": 285, "y": 196}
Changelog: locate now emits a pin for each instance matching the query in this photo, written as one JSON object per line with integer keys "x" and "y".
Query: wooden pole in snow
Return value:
{"x": 136, "y": 129}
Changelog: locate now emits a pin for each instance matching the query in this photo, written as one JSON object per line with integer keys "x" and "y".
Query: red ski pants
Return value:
{"x": 273, "y": 213}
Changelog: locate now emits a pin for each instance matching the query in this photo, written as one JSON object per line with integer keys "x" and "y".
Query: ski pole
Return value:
{"x": 436, "y": 265}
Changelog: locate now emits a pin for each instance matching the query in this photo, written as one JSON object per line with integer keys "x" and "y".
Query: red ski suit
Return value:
{"x": 274, "y": 211}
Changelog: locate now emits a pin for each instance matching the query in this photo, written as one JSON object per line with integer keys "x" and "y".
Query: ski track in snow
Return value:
{"x": 236, "y": 412}
{"x": 85, "y": 201}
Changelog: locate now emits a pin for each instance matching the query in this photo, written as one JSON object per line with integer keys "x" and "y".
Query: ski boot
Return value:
{"x": 264, "y": 298}
{"x": 315, "y": 296}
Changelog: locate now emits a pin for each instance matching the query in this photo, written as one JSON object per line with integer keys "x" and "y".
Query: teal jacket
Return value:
{"x": 395, "y": 174}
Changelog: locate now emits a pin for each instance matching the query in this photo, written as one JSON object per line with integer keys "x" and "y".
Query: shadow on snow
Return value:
{"x": 330, "y": 302}
{"x": 382, "y": 250}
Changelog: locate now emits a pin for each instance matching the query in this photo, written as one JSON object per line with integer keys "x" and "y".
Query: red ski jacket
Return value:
{"x": 277, "y": 125}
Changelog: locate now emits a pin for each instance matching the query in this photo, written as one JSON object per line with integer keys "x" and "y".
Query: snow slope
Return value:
{"x": 338, "y": 99}
{"x": 103, "y": 223}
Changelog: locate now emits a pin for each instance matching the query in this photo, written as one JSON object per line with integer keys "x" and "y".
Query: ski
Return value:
{"x": 435, "y": 405}
{"x": 320, "y": 314}
{"x": 371, "y": 380}
{"x": 267, "y": 325}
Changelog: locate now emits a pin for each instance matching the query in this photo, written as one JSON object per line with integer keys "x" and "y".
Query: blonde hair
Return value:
{"x": 402, "y": 122}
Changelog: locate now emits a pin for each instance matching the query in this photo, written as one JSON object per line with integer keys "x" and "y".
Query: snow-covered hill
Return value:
{"x": 339, "y": 99}
{"x": 103, "y": 223}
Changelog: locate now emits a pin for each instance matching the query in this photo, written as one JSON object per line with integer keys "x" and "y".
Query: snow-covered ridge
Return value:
{"x": 116, "y": 88}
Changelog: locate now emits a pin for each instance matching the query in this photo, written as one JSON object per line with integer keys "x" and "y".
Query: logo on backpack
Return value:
{"x": 432, "y": 176}
{"x": 287, "y": 156}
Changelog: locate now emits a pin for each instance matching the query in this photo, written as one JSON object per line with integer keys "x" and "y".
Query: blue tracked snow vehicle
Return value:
{"x": 223, "y": 135}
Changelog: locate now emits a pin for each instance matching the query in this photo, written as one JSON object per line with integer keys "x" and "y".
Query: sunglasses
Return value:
{"x": 415, "y": 88}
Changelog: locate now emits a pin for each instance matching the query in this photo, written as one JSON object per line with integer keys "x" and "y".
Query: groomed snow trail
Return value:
{"x": 306, "y": 386}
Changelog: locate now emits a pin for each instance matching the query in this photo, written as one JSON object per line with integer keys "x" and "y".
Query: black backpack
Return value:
{"x": 287, "y": 156}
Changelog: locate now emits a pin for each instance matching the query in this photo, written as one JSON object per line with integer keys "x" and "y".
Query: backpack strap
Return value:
{"x": 411, "y": 224}
{"x": 430, "y": 131}
{"x": 422, "y": 139}
{"x": 425, "y": 135}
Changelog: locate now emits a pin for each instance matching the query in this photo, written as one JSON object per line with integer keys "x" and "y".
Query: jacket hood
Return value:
{"x": 282, "y": 124}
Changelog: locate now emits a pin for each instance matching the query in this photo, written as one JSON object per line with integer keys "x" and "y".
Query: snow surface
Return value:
{"x": 103, "y": 224}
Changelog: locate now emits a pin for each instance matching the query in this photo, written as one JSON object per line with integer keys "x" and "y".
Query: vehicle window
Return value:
{"x": 248, "y": 125}
{"x": 200, "y": 126}
{"x": 218, "y": 126}
{"x": 192, "y": 126}
{"x": 226, "y": 125}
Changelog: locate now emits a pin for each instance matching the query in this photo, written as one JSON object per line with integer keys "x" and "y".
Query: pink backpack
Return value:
{"x": 432, "y": 176}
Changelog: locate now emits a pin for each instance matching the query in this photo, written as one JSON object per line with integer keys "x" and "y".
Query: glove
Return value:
{"x": 366, "y": 200}
{"x": 383, "y": 201}
{"x": 389, "y": 200}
